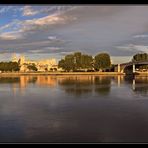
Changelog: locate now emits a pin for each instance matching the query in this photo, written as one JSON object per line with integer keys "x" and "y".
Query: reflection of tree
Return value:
{"x": 129, "y": 79}
{"x": 102, "y": 85}
{"x": 128, "y": 69}
{"x": 141, "y": 90}
{"x": 86, "y": 84}
{"x": 76, "y": 85}
{"x": 141, "y": 85}
{"x": 9, "y": 80}
{"x": 32, "y": 80}
{"x": 141, "y": 80}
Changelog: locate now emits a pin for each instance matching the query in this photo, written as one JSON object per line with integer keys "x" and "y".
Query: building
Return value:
{"x": 41, "y": 65}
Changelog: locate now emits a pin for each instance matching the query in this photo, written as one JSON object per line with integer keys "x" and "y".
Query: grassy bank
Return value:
{"x": 60, "y": 73}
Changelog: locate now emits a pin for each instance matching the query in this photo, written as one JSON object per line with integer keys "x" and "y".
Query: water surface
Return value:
{"x": 73, "y": 109}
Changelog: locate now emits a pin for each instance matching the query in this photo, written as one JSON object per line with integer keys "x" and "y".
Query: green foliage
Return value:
{"x": 32, "y": 67}
{"x": 87, "y": 61}
{"x": 9, "y": 66}
{"x": 102, "y": 61}
{"x": 76, "y": 61}
{"x": 69, "y": 62}
{"x": 140, "y": 57}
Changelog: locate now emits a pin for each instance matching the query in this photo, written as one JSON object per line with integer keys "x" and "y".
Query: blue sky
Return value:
{"x": 52, "y": 31}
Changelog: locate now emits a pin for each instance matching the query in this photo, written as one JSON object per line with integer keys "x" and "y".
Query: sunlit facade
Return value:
{"x": 41, "y": 65}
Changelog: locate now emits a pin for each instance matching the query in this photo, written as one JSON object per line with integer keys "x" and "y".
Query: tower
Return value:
{"x": 22, "y": 59}
{"x": 14, "y": 58}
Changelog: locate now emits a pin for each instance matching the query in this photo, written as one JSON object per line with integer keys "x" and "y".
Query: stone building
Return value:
{"x": 41, "y": 65}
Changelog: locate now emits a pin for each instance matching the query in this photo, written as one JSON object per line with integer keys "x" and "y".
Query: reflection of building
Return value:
{"x": 42, "y": 65}
{"x": 24, "y": 81}
{"x": 40, "y": 80}
{"x": 46, "y": 80}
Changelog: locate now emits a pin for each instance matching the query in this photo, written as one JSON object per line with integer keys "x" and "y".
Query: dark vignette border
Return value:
{"x": 118, "y": 2}
{"x": 73, "y": 2}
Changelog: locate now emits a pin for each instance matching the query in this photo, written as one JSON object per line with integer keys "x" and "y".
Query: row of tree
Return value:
{"x": 9, "y": 66}
{"x": 140, "y": 57}
{"x": 79, "y": 61}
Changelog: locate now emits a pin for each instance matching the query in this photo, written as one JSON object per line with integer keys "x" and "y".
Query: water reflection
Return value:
{"x": 102, "y": 85}
{"x": 78, "y": 85}
{"x": 140, "y": 85}
{"x": 47, "y": 113}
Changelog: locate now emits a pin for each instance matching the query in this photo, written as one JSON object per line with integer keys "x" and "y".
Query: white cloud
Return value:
{"x": 132, "y": 47}
{"x": 28, "y": 11}
{"x": 10, "y": 36}
{"x": 36, "y": 51}
{"x": 121, "y": 59}
{"x": 141, "y": 36}
{"x": 46, "y": 20}
{"x": 5, "y": 9}
{"x": 31, "y": 11}
{"x": 46, "y": 49}
{"x": 52, "y": 37}
{"x": 20, "y": 28}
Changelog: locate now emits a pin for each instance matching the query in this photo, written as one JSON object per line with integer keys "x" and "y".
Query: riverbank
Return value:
{"x": 141, "y": 73}
{"x": 59, "y": 73}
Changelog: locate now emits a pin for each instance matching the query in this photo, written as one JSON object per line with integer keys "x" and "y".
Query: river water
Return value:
{"x": 73, "y": 109}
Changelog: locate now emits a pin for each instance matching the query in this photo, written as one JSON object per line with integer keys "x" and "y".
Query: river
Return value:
{"x": 73, "y": 109}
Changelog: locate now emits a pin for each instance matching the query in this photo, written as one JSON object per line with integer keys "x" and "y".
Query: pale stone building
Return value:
{"x": 41, "y": 65}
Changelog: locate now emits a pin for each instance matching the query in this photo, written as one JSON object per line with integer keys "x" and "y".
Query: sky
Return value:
{"x": 53, "y": 31}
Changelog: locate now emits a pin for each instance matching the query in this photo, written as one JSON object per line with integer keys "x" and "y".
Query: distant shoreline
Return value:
{"x": 59, "y": 73}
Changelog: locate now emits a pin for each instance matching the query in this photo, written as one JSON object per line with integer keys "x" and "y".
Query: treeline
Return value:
{"x": 140, "y": 57}
{"x": 80, "y": 62}
{"x": 9, "y": 66}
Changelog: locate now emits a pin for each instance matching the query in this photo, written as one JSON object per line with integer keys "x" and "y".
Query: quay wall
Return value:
{"x": 59, "y": 73}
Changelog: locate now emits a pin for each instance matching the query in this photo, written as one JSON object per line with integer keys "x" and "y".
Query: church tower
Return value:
{"x": 14, "y": 58}
{"x": 22, "y": 59}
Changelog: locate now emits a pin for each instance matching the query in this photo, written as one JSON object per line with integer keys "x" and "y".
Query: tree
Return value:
{"x": 140, "y": 57}
{"x": 78, "y": 60}
{"x": 86, "y": 61}
{"x": 32, "y": 67}
{"x": 61, "y": 64}
{"x": 9, "y": 66}
{"x": 67, "y": 63}
{"x": 102, "y": 61}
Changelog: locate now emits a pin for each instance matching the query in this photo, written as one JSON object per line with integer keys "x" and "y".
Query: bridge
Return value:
{"x": 130, "y": 67}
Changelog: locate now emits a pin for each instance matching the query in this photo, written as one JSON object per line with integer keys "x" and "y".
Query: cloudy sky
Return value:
{"x": 52, "y": 31}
